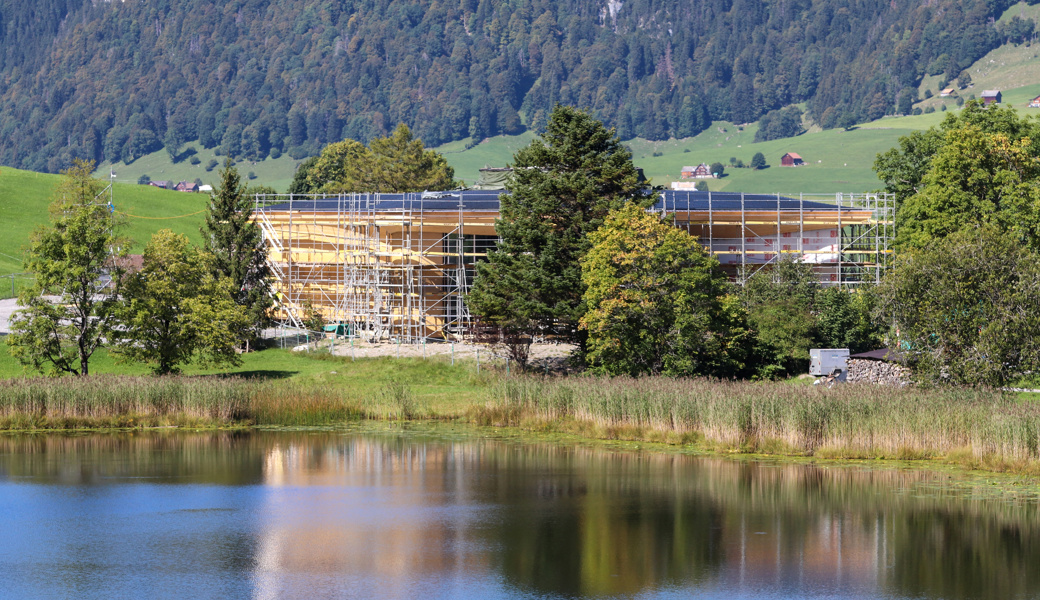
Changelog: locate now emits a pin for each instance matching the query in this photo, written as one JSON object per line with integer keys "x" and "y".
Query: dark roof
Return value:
{"x": 673, "y": 200}
{"x": 885, "y": 354}
{"x": 431, "y": 201}
{"x": 478, "y": 200}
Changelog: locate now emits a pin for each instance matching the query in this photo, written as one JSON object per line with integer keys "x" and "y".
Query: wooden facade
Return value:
{"x": 398, "y": 266}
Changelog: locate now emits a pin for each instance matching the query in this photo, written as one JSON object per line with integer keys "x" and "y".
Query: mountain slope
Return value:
{"x": 257, "y": 78}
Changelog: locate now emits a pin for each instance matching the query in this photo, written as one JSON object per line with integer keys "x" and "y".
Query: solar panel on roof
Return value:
{"x": 488, "y": 200}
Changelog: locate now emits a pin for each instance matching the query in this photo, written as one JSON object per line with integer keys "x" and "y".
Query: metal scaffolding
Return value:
{"x": 398, "y": 266}
{"x": 845, "y": 237}
{"x": 385, "y": 266}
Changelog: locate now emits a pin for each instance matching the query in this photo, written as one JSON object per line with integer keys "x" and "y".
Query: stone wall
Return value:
{"x": 879, "y": 372}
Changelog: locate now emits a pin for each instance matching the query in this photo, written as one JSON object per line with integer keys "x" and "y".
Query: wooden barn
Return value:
{"x": 791, "y": 160}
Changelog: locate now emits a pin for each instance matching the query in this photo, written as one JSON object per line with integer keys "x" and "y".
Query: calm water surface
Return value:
{"x": 434, "y": 514}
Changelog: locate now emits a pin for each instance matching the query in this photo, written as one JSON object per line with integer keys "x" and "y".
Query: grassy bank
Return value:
{"x": 978, "y": 429}
{"x": 129, "y": 401}
{"x": 974, "y": 428}
{"x": 272, "y": 387}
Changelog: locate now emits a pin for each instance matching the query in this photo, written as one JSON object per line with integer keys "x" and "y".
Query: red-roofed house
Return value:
{"x": 791, "y": 160}
{"x": 701, "y": 171}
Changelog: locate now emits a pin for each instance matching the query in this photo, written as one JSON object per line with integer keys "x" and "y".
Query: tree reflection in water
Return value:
{"x": 393, "y": 514}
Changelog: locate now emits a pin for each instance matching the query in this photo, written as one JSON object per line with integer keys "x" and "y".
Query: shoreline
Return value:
{"x": 975, "y": 429}
{"x": 1008, "y": 483}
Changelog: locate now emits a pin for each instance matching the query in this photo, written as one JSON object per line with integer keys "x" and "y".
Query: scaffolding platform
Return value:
{"x": 398, "y": 266}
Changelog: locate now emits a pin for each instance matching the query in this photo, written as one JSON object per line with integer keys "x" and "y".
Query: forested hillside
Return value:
{"x": 118, "y": 79}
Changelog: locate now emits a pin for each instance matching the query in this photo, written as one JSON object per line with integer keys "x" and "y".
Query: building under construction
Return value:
{"x": 398, "y": 266}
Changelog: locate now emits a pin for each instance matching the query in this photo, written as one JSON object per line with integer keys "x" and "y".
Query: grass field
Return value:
{"x": 276, "y": 172}
{"x": 25, "y": 197}
{"x": 381, "y": 384}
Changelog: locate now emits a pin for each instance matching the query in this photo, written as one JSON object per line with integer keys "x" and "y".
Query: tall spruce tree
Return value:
{"x": 562, "y": 188}
{"x": 237, "y": 246}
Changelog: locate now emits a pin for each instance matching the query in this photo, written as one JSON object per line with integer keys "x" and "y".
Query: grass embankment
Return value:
{"x": 977, "y": 429}
{"x": 271, "y": 387}
{"x": 974, "y": 428}
{"x": 115, "y": 401}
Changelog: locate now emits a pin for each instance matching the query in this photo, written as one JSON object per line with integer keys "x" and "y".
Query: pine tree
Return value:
{"x": 563, "y": 186}
{"x": 237, "y": 246}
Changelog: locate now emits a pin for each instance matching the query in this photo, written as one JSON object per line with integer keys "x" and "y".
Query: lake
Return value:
{"x": 439, "y": 512}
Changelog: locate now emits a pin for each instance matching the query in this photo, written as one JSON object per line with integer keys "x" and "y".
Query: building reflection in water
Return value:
{"x": 397, "y": 512}
{"x": 391, "y": 514}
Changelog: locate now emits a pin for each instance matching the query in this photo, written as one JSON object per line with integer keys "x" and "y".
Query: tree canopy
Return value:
{"x": 177, "y": 311}
{"x": 77, "y": 260}
{"x": 656, "y": 302}
{"x": 789, "y": 312}
{"x": 396, "y": 163}
{"x": 564, "y": 184}
{"x": 979, "y": 166}
{"x": 965, "y": 307}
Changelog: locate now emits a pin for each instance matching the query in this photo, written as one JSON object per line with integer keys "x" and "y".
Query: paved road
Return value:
{"x": 7, "y": 308}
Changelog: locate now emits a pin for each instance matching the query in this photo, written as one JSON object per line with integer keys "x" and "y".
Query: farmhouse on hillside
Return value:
{"x": 1035, "y": 102}
{"x": 160, "y": 184}
{"x": 791, "y": 160}
{"x": 187, "y": 186}
{"x": 946, "y": 93}
{"x": 701, "y": 171}
{"x": 990, "y": 97}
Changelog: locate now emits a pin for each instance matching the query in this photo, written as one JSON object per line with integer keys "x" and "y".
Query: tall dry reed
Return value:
{"x": 845, "y": 421}
{"x": 126, "y": 401}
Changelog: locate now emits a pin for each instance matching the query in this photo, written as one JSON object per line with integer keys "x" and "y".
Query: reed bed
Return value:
{"x": 127, "y": 401}
{"x": 848, "y": 421}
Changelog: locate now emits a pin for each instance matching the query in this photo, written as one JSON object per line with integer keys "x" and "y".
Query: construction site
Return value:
{"x": 399, "y": 266}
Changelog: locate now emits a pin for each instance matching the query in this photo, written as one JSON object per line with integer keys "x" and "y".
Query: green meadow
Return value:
{"x": 145, "y": 209}
{"x": 275, "y": 172}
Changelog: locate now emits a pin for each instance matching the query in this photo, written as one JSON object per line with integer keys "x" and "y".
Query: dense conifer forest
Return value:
{"x": 114, "y": 80}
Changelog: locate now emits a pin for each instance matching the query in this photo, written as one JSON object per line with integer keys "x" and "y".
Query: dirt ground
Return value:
{"x": 552, "y": 355}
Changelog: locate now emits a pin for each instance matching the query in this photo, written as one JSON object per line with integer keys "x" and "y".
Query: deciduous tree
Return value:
{"x": 396, "y": 163}
{"x": 903, "y": 169}
{"x": 974, "y": 178}
{"x": 779, "y": 303}
{"x": 657, "y": 302}
{"x": 71, "y": 306}
{"x": 966, "y": 307}
{"x": 177, "y": 311}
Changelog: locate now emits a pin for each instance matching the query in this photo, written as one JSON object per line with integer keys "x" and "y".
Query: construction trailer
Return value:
{"x": 399, "y": 266}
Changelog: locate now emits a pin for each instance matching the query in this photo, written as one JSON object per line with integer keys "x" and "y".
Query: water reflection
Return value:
{"x": 381, "y": 514}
